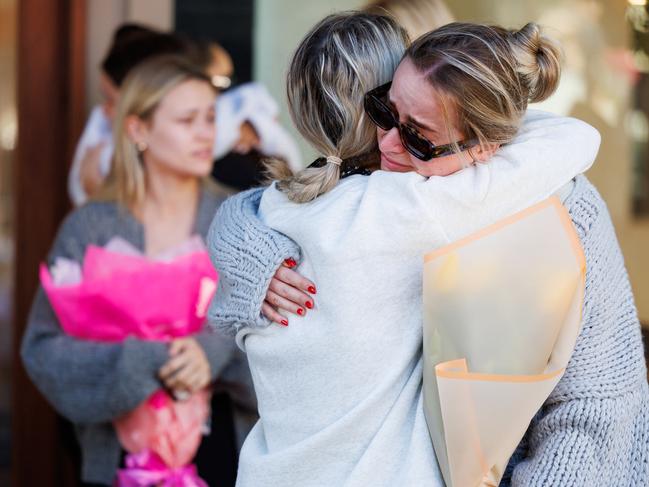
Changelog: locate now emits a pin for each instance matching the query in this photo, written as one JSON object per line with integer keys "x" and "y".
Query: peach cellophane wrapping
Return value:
{"x": 502, "y": 311}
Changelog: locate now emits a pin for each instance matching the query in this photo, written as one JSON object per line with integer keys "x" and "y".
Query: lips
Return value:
{"x": 388, "y": 164}
{"x": 202, "y": 154}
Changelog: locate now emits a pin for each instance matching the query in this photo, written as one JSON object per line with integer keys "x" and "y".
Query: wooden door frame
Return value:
{"x": 51, "y": 37}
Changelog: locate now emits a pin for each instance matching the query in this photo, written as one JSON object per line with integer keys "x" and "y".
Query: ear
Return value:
{"x": 137, "y": 130}
{"x": 484, "y": 152}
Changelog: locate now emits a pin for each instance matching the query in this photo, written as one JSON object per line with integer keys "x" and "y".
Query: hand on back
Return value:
{"x": 289, "y": 291}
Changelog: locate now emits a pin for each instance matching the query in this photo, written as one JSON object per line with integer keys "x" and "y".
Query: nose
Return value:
{"x": 206, "y": 130}
{"x": 390, "y": 142}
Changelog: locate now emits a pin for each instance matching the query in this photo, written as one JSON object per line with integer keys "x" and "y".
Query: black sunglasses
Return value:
{"x": 415, "y": 143}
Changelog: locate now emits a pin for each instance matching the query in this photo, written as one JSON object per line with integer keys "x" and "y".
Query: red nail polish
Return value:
{"x": 300, "y": 311}
{"x": 290, "y": 262}
{"x": 311, "y": 289}
{"x": 284, "y": 322}
{"x": 309, "y": 304}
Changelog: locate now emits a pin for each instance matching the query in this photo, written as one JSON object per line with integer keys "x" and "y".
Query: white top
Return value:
{"x": 98, "y": 129}
{"x": 252, "y": 102}
{"x": 340, "y": 390}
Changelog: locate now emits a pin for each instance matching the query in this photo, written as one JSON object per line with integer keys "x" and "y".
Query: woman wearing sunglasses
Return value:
{"x": 339, "y": 388}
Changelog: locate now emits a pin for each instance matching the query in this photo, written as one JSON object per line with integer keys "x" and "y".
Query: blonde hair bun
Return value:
{"x": 539, "y": 61}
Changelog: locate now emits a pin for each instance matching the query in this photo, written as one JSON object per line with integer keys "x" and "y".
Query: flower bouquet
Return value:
{"x": 119, "y": 293}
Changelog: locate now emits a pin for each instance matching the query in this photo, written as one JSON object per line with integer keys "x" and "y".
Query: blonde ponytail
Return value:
{"x": 310, "y": 183}
{"x": 340, "y": 59}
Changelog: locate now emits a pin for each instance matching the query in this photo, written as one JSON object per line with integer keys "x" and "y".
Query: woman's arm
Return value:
{"x": 547, "y": 153}
{"x": 593, "y": 429}
{"x": 247, "y": 255}
{"x": 86, "y": 381}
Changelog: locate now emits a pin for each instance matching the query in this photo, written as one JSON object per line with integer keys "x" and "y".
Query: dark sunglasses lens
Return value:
{"x": 416, "y": 144}
{"x": 379, "y": 113}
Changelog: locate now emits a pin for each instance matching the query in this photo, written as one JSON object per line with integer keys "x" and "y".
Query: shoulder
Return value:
{"x": 587, "y": 208}
{"x": 212, "y": 197}
{"x": 272, "y": 195}
{"x": 84, "y": 225}
{"x": 214, "y": 193}
{"x": 89, "y": 216}
{"x": 609, "y": 351}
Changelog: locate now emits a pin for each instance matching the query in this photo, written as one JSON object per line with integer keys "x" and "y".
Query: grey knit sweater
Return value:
{"x": 594, "y": 427}
{"x": 91, "y": 383}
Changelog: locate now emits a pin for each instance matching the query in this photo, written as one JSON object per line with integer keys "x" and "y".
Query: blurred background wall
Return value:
{"x": 8, "y": 125}
{"x": 49, "y": 55}
{"x": 605, "y": 74}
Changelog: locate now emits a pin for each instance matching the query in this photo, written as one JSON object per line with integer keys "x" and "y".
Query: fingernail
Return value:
{"x": 300, "y": 311}
{"x": 290, "y": 262}
{"x": 309, "y": 304}
{"x": 284, "y": 322}
{"x": 311, "y": 289}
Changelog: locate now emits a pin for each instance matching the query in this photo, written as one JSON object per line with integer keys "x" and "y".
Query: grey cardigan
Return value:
{"x": 91, "y": 383}
{"x": 594, "y": 427}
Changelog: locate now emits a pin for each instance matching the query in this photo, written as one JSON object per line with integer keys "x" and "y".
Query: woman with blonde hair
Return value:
{"x": 339, "y": 388}
{"x": 416, "y": 16}
{"x": 155, "y": 199}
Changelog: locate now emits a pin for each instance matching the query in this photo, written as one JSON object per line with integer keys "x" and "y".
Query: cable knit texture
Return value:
{"x": 594, "y": 428}
{"x": 243, "y": 250}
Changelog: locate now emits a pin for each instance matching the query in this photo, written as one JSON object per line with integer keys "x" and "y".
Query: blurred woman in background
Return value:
{"x": 155, "y": 198}
{"x": 416, "y": 16}
{"x": 131, "y": 45}
{"x": 247, "y": 115}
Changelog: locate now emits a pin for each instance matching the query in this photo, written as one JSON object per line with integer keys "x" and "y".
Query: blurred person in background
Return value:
{"x": 416, "y": 16}
{"x": 131, "y": 44}
{"x": 156, "y": 197}
{"x": 248, "y": 129}
{"x": 247, "y": 116}
{"x": 249, "y": 132}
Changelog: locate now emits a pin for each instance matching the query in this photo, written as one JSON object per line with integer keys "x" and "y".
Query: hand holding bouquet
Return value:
{"x": 119, "y": 293}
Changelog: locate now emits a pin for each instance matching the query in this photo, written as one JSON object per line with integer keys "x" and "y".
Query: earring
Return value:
{"x": 141, "y": 146}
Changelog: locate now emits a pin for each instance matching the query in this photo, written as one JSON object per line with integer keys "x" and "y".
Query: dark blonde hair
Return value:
{"x": 141, "y": 94}
{"x": 416, "y": 16}
{"x": 340, "y": 59}
{"x": 489, "y": 74}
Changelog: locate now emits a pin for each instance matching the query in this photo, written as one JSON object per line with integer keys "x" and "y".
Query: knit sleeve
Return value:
{"x": 594, "y": 427}
{"x": 86, "y": 381}
{"x": 246, "y": 253}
